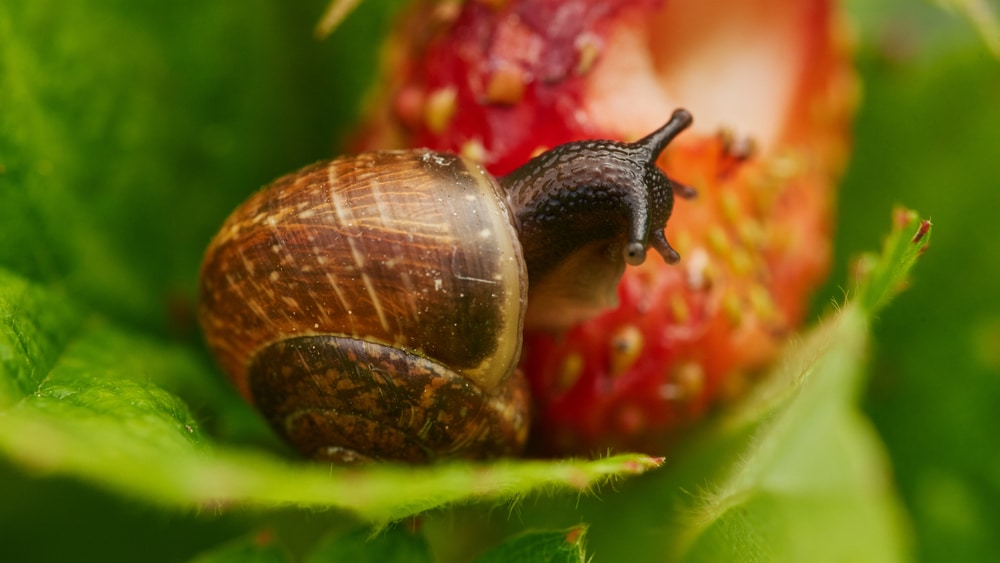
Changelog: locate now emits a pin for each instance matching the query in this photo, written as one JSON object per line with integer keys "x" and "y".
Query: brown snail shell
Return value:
{"x": 371, "y": 306}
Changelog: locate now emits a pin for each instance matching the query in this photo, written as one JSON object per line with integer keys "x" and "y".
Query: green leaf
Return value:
{"x": 792, "y": 472}
{"x": 106, "y": 409}
{"x": 926, "y": 135}
{"x": 552, "y": 546}
{"x": 882, "y": 279}
{"x": 128, "y": 133}
{"x": 808, "y": 475}
{"x": 395, "y": 544}
{"x": 983, "y": 17}
{"x": 805, "y": 476}
{"x": 35, "y": 326}
{"x": 259, "y": 548}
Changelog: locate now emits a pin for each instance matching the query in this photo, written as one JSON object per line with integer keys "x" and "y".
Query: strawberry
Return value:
{"x": 771, "y": 88}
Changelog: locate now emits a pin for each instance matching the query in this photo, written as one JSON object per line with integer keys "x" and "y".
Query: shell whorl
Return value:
{"x": 410, "y": 249}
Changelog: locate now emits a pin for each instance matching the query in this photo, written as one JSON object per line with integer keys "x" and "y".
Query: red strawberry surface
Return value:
{"x": 771, "y": 88}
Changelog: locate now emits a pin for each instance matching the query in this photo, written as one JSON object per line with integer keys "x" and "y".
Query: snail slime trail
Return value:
{"x": 371, "y": 306}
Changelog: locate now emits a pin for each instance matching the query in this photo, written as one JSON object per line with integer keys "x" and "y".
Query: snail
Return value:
{"x": 371, "y": 306}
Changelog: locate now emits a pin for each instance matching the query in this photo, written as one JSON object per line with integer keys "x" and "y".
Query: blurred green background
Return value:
{"x": 927, "y": 136}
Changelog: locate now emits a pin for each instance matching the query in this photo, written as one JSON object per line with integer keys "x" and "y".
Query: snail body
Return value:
{"x": 371, "y": 306}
